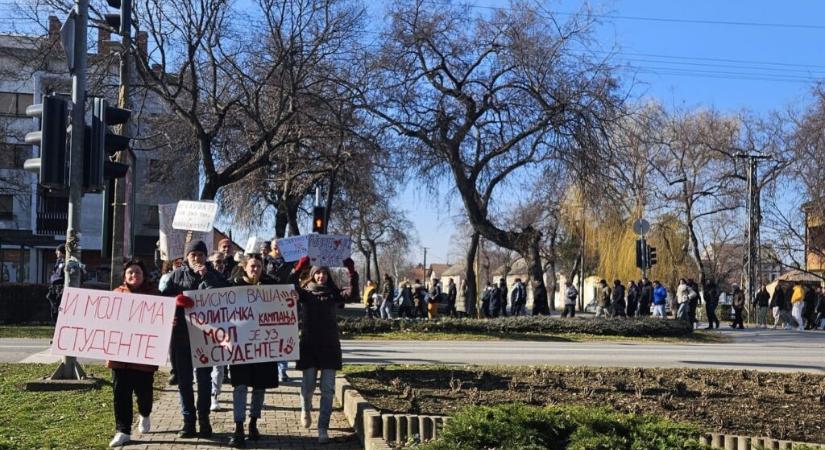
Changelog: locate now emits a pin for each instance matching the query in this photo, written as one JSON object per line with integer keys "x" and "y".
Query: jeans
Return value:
{"x": 282, "y": 367}
{"x": 569, "y": 310}
{"x": 710, "y": 310}
{"x": 659, "y": 311}
{"x": 217, "y": 379}
{"x": 385, "y": 309}
{"x": 327, "y": 391}
{"x": 762, "y": 316}
{"x": 182, "y": 363}
{"x": 239, "y": 403}
{"x": 124, "y": 383}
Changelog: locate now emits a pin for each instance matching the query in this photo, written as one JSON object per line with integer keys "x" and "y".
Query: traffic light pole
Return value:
{"x": 119, "y": 198}
{"x": 69, "y": 369}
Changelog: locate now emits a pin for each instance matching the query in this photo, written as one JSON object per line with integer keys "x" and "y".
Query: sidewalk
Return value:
{"x": 279, "y": 424}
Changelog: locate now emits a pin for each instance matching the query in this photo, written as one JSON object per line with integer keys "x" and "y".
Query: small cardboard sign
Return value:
{"x": 323, "y": 249}
{"x": 116, "y": 326}
{"x": 243, "y": 325}
{"x": 172, "y": 241}
{"x": 195, "y": 216}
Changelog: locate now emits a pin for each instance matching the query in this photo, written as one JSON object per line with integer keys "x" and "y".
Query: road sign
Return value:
{"x": 641, "y": 227}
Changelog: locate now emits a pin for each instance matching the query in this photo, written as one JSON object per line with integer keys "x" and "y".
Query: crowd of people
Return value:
{"x": 320, "y": 348}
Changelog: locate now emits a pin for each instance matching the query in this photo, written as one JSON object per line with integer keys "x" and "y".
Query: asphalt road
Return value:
{"x": 767, "y": 350}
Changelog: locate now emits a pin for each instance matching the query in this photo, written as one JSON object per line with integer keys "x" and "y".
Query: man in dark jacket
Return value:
{"x": 693, "y": 302}
{"x": 56, "y": 281}
{"x": 195, "y": 274}
{"x": 275, "y": 267}
{"x": 618, "y": 304}
{"x": 738, "y": 305}
{"x": 496, "y": 301}
{"x": 502, "y": 290}
{"x": 711, "y": 292}
{"x": 645, "y": 297}
{"x": 452, "y": 293}
{"x": 632, "y": 298}
{"x": 518, "y": 298}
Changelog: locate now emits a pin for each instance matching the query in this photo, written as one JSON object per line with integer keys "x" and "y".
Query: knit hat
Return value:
{"x": 316, "y": 269}
{"x": 195, "y": 246}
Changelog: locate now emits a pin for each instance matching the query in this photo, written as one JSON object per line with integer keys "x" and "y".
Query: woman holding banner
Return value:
{"x": 258, "y": 376}
{"x": 320, "y": 346}
{"x": 129, "y": 378}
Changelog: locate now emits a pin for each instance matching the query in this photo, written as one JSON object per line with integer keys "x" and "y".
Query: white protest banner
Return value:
{"x": 195, "y": 216}
{"x": 116, "y": 326}
{"x": 172, "y": 241}
{"x": 322, "y": 249}
{"x": 243, "y": 325}
{"x": 252, "y": 245}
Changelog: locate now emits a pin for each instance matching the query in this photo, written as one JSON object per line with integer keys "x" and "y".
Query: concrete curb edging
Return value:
{"x": 375, "y": 430}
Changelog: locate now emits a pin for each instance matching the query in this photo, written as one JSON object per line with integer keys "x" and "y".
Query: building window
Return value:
{"x": 6, "y": 207}
{"x": 14, "y": 104}
{"x": 12, "y": 156}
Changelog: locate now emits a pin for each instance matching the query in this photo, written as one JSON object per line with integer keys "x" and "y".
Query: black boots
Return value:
{"x": 188, "y": 430}
{"x": 205, "y": 428}
{"x": 237, "y": 440}
{"x": 254, "y": 434}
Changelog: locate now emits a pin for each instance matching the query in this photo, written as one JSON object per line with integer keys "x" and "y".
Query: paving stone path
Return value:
{"x": 279, "y": 425}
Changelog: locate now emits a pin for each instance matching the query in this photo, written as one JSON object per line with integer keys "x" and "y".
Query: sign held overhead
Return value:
{"x": 195, "y": 216}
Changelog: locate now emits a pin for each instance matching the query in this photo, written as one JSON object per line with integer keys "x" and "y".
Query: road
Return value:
{"x": 766, "y": 350}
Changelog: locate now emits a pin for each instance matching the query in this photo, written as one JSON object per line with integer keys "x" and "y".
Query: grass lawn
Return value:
{"x": 27, "y": 331}
{"x": 55, "y": 420}
{"x": 698, "y": 336}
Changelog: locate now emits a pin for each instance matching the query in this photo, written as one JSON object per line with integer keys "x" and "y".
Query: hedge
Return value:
{"x": 523, "y": 427}
{"x": 522, "y": 324}
{"x": 24, "y": 303}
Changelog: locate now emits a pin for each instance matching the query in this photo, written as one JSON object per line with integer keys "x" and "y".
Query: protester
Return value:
{"x": 761, "y": 303}
{"x": 496, "y": 300}
{"x": 420, "y": 299}
{"x": 486, "y": 299}
{"x": 503, "y": 293}
{"x": 258, "y": 376}
{"x": 604, "y": 301}
{"x": 369, "y": 288}
{"x": 56, "y": 281}
{"x": 711, "y": 292}
{"x": 225, "y": 247}
{"x": 132, "y": 378}
{"x": 632, "y": 298}
{"x": 320, "y": 346}
{"x": 195, "y": 274}
{"x": 683, "y": 294}
{"x": 434, "y": 298}
{"x": 518, "y": 299}
{"x": 778, "y": 305}
{"x": 570, "y": 296}
{"x": 645, "y": 297}
{"x": 451, "y": 298}
{"x": 809, "y": 308}
{"x": 387, "y": 294}
{"x": 738, "y": 305}
{"x": 693, "y": 301}
{"x": 617, "y": 301}
{"x": 797, "y": 302}
{"x": 404, "y": 300}
{"x": 659, "y": 300}
{"x": 166, "y": 274}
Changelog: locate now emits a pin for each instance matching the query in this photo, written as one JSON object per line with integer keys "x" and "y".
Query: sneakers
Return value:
{"x": 323, "y": 437}
{"x": 306, "y": 419}
{"x": 120, "y": 439}
{"x": 144, "y": 425}
{"x": 215, "y": 404}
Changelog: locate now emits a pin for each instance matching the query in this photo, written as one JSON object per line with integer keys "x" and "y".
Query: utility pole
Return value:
{"x": 69, "y": 369}
{"x": 426, "y": 284}
{"x": 754, "y": 221}
{"x": 119, "y": 184}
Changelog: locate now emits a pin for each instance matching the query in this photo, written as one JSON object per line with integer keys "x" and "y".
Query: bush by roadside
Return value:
{"x": 24, "y": 303}
{"x": 523, "y": 324}
{"x": 524, "y": 427}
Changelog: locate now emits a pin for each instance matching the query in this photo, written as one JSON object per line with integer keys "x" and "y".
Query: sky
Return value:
{"x": 731, "y": 55}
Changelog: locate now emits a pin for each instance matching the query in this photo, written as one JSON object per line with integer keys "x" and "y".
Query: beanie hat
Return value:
{"x": 195, "y": 246}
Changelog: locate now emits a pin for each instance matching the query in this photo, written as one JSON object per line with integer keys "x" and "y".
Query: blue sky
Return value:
{"x": 755, "y": 55}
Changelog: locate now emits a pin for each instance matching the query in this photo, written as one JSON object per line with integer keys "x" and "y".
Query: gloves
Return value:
{"x": 303, "y": 263}
{"x": 184, "y": 301}
{"x": 350, "y": 265}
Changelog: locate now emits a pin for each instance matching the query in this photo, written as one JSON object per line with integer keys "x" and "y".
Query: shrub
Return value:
{"x": 528, "y": 324}
{"x": 24, "y": 303}
{"x": 519, "y": 426}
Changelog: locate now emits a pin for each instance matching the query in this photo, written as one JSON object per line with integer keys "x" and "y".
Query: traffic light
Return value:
{"x": 651, "y": 256}
{"x": 100, "y": 144}
{"x": 51, "y": 165}
{"x": 641, "y": 253}
{"x": 318, "y": 220}
{"x": 121, "y": 22}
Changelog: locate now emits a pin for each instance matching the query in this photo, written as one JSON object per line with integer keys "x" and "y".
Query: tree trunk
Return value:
{"x": 694, "y": 241}
{"x": 535, "y": 269}
{"x": 470, "y": 277}
{"x": 292, "y": 216}
{"x": 366, "y": 265}
{"x": 374, "y": 251}
{"x": 281, "y": 220}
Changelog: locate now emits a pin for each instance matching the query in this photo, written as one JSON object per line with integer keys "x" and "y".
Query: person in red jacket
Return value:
{"x": 131, "y": 378}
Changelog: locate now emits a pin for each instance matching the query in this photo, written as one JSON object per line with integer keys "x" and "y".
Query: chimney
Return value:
{"x": 103, "y": 35}
{"x": 54, "y": 29}
{"x": 142, "y": 44}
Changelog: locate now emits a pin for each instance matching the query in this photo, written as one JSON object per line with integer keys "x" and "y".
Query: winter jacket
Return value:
{"x": 57, "y": 276}
{"x": 519, "y": 295}
{"x": 387, "y": 290}
{"x": 617, "y": 297}
{"x": 570, "y": 295}
{"x": 683, "y": 293}
{"x": 646, "y": 295}
{"x": 260, "y": 375}
{"x": 659, "y": 295}
{"x": 146, "y": 289}
{"x": 320, "y": 344}
{"x": 185, "y": 279}
{"x": 798, "y": 294}
{"x": 604, "y": 296}
{"x": 369, "y": 289}
{"x": 762, "y": 298}
{"x": 276, "y": 269}
{"x": 738, "y": 300}
{"x": 452, "y": 292}
{"x": 778, "y": 299}
{"x": 405, "y": 297}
